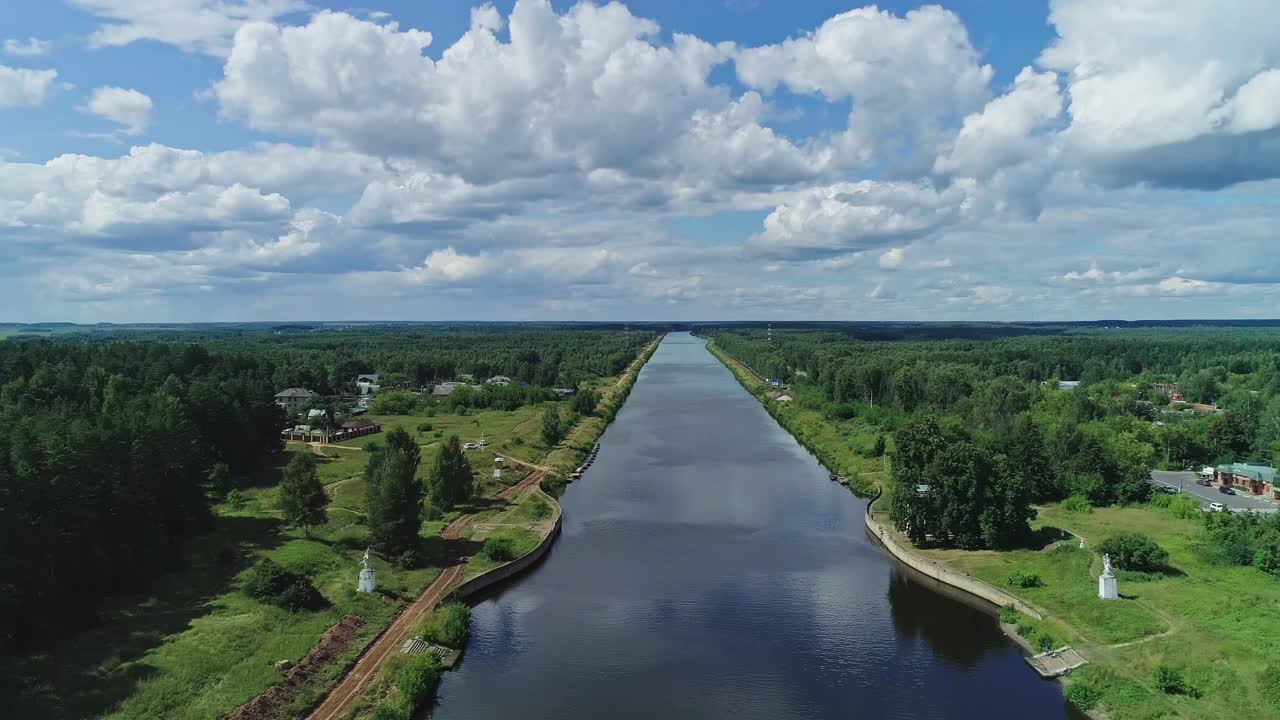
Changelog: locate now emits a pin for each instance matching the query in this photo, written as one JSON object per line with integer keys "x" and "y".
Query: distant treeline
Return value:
{"x": 982, "y": 429}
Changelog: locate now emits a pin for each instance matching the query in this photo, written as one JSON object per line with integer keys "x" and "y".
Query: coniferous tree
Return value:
{"x": 302, "y": 498}
{"x": 394, "y": 493}
{"x": 450, "y": 480}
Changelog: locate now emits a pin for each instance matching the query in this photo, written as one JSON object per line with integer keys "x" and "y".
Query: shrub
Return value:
{"x": 540, "y": 510}
{"x": 1169, "y": 680}
{"x": 268, "y": 582}
{"x": 1184, "y": 507}
{"x": 387, "y": 711}
{"x": 425, "y": 427}
{"x": 449, "y": 625}
{"x": 1160, "y": 501}
{"x": 1009, "y": 615}
{"x": 499, "y": 549}
{"x": 1083, "y": 693}
{"x": 235, "y": 500}
{"x": 418, "y": 680}
{"x": 1270, "y": 685}
{"x": 1077, "y": 504}
{"x": 1044, "y": 640}
{"x": 1024, "y": 579}
{"x": 1134, "y": 551}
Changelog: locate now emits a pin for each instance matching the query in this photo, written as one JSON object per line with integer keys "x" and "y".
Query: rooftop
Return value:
{"x": 294, "y": 392}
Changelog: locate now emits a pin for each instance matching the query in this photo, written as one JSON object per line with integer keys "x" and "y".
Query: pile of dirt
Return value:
{"x": 335, "y": 641}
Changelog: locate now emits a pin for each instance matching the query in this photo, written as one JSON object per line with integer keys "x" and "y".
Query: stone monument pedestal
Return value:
{"x": 1107, "y": 587}
{"x": 369, "y": 580}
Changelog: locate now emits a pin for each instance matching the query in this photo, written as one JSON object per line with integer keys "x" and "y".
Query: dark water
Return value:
{"x": 709, "y": 569}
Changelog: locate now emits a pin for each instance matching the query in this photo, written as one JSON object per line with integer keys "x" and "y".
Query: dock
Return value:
{"x": 1058, "y": 662}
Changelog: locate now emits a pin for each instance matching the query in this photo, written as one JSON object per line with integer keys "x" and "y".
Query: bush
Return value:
{"x": 424, "y": 427}
{"x": 1083, "y": 693}
{"x": 1009, "y": 615}
{"x": 268, "y": 582}
{"x": 417, "y": 681}
{"x": 1077, "y": 504}
{"x": 1169, "y": 680}
{"x": 449, "y": 625}
{"x": 235, "y": 500}
{"x": 1160, "y": 501}
{"x": 387, "y": 711}
{"x": 1024, "y": 579}
{"x": 1044, "y": 640}
{"x": 1270, "y": 684}
{"x": 1184, "y": 507}
{"x": 540, "y": 510}
{"x": 499, "y": 549}
{"x": 1134, "y": 551}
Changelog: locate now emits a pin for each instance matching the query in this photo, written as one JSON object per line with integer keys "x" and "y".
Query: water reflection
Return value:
{"x": 707, "y": 568}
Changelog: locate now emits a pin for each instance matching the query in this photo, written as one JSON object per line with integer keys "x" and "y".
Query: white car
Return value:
{"x": 1217, "y": 507}
{"x": 470, "y": 446}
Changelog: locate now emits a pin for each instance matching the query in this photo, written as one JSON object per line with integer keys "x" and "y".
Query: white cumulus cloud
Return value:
{"x": 24, "y": 87}
{"x": 127, "y": 107}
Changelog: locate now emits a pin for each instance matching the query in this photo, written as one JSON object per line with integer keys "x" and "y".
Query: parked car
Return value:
{"x": 1217, "y": 507}
{"x": 1202, "y": 483}
{"x": 1226, "y": 490}
{"x": 1168, "y": 490}
{"x": 470, "y": 446}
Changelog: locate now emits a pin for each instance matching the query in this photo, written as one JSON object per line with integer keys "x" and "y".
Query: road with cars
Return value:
{"x": 1185, "y": 483}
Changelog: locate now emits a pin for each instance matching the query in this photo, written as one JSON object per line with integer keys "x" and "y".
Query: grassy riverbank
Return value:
{"x": 1215, "y": 626}
{"x": 841, "y": 446}
{"x": 573, "y": 449}
{"x": 195, "y": 647}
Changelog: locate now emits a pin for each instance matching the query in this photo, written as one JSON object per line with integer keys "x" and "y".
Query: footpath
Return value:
{"x": 386, "y": 644}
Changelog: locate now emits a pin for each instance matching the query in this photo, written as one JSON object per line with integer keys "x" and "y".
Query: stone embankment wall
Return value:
{"x": 517, "y": 566}
{"x": 942, "y": 574}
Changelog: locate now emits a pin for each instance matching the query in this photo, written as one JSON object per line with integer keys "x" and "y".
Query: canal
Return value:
{"x": 709, "y": 569}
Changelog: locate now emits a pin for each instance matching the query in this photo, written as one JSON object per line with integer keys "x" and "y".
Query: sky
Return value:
{"x": 240, "y": 160}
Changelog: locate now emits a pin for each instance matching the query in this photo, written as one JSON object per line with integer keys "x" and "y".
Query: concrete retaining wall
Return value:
{"x": 515, "y": 567}
{"x": 935, "y": 570}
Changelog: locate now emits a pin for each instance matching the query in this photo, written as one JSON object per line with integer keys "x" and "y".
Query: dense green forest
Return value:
{"x": 117, "y": 444}
{"x": 982, "y": 429}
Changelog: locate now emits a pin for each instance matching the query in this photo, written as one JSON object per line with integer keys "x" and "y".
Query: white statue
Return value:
{"x": 1107, "y": 581}
{"x": 368, "y": 577}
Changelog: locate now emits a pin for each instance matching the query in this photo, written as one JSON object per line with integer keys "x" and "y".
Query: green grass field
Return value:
{"x": 1220, "y": 625}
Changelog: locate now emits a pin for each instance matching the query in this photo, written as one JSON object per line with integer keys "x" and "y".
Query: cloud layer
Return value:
{"x": 589, "y": 163}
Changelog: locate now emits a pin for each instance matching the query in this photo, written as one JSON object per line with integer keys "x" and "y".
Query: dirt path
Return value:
{"x": 341, "y": 697}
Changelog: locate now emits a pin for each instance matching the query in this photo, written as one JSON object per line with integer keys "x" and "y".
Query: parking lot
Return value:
{"x": 1185, "y": 482}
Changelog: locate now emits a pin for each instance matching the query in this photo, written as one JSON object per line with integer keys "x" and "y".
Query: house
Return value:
{"x": 445, "y": 389}
{"x": 293, "y": 398}
{"x": 367, "y": 383}
{"x": 502, "y": 380}
{"x": 314, "y": 413}
{"x": 1254, "y": 479}
{"x": 1068, "y": 384}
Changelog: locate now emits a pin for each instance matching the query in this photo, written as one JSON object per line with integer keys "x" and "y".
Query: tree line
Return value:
{"x": 983, "y": 425}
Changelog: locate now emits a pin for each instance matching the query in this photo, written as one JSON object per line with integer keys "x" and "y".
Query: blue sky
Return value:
{"x": 525, "y": 159}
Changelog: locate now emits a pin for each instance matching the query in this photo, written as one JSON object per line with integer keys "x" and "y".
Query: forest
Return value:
{"x": 118, "y": 443}
{"x": 982, "y": 429}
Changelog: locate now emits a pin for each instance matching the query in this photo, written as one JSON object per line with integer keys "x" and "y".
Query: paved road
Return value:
{"x": 1187, "y": 482}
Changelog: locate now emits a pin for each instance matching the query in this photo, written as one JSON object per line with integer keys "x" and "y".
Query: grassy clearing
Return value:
{"x": 522, "y": 541}
{"x": 1221, "y": 625}
{"x": 841, "y": 445}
